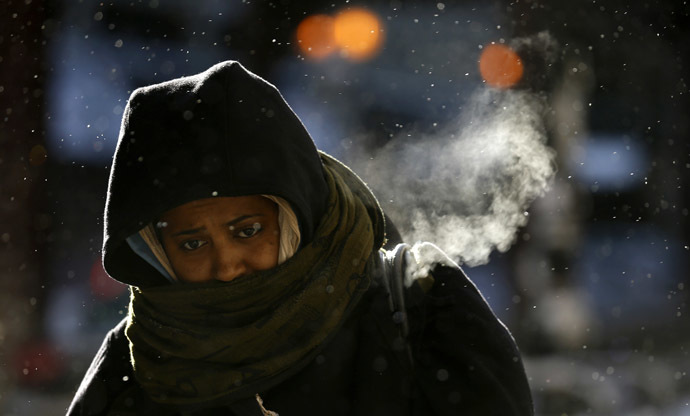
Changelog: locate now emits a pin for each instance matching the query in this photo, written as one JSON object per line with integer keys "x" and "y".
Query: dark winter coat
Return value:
{"x": 226, "y": 132}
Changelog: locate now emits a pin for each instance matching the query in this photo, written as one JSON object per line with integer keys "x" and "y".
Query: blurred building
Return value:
{"x": 594, "y": 288}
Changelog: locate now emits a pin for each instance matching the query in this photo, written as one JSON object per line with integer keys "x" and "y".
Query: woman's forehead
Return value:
{"x": 220, "y": 207}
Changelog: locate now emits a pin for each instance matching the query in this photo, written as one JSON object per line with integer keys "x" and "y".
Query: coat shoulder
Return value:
{"x": 466, "y": 360}
{"x": 109, "y": 374}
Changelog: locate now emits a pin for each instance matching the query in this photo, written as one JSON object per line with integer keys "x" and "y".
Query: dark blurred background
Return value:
{"x": 594, "y": 289}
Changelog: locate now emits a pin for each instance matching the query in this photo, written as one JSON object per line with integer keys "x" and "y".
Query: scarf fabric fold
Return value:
{"x": 216, "y": 342}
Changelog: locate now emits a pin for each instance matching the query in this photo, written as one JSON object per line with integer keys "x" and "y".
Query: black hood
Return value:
{"x": 223, "y": 132}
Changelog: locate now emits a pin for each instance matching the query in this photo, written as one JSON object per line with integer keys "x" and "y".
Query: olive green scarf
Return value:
{"x": 217, "y": 342}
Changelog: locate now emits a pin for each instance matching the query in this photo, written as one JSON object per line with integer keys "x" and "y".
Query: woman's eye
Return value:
{"x": 192, "y": 244}
{"x": 250, "y": 231}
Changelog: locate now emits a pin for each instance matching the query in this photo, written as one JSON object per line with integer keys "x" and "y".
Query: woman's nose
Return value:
{"x": 229, "y": 264}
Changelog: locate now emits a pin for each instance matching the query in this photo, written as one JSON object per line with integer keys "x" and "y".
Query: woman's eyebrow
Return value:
{"x": 241, "y": 218}
{"x": 188, "y": 232}
{"x": 227, "y": 224}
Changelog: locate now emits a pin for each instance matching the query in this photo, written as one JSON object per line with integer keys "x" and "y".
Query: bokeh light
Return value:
{"x": 103, "y": 286}
{"x": 315, "y": 36}
{"x": 37, "y": 363}
{"x": 37, "y": 155}
{"x": 500, "y": 66}
{"x": 358, "y": 32}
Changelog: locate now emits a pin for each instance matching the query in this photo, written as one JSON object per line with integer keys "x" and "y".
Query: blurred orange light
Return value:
{"x": 37, "y": 155}
{"x": 500, "y": 66}
{"x": 315, "y": 36}
{"x": 358, "y": 33}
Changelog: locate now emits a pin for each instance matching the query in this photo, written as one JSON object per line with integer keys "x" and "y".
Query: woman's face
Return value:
{"x": 221, "y": 238}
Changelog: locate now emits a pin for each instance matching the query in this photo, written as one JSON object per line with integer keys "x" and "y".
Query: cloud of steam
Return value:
{"x": 467, "y": 188}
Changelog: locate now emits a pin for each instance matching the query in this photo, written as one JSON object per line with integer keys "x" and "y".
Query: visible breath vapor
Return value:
{"x": 467, "y": 188}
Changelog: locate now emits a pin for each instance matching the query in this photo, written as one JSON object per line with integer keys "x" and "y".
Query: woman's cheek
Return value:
{"x": 193, "y": 270}
{"x": 266, "y": 255}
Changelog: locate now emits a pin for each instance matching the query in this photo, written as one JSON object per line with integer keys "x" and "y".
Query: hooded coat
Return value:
{"x": 227, "y": 132}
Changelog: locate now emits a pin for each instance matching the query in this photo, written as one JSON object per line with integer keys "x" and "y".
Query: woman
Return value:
{"x": 258, "y": 279}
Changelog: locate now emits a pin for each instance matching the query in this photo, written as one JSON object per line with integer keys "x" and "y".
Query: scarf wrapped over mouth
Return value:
{"x": 218, "y": 342}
